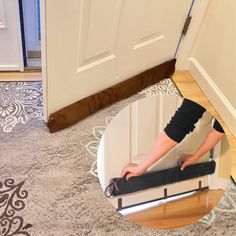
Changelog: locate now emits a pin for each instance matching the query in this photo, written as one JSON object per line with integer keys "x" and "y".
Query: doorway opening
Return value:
{"x": 31, "y": 33}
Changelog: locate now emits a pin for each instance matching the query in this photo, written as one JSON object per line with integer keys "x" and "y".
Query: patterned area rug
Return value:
{"x": 49, "y": 183}
{"x": 19, "y": 103}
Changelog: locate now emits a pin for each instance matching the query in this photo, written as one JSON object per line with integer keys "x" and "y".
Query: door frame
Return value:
{"x": 187, "y": 44}
{"x": 183, "y": 55}
{"x": 44, "y": 58}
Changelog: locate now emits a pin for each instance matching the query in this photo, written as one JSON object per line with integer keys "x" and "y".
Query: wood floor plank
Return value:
{"x": 20, "y": 76}
{"x": 180, "y": 212}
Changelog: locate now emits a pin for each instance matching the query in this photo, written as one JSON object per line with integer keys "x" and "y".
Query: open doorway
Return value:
{"x": 31, "y": 33}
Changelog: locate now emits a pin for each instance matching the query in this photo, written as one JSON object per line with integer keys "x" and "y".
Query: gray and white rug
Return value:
{"x": 49, "y": 184}
{"x": 19, "y": 103}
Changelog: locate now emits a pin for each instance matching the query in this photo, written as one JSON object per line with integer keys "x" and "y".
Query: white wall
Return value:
{"x": 213, "y": 59}
{"x": 10, "y": 36}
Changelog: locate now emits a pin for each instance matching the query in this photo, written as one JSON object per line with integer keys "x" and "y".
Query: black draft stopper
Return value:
{"x": 121, "y": 186}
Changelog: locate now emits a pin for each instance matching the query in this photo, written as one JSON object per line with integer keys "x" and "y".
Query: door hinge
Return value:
{"x": 186, "y": 25}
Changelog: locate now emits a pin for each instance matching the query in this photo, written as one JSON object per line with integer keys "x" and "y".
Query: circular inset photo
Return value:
{"x": 164, "y": 162}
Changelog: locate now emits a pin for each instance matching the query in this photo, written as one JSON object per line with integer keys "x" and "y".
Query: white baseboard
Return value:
{"x": 214, "y": 94}
{"x": 10, "y": 68}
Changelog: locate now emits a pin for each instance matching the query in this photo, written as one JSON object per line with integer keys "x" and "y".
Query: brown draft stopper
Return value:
{"x": 77, "y": 111}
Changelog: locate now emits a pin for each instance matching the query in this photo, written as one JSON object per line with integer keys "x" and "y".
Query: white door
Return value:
{"x": 31, "y": 12}
{"x": 11, "y": 57}
{"x": 93, "y": 44}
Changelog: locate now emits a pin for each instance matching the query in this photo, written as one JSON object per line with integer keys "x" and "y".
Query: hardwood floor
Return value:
{"x": 178, "y": 213}
{"x": 21, "y": 76}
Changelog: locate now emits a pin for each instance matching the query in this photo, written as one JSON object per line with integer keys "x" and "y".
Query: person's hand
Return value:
{"x": 132, "y": 170}
{"x": 187, "y": 159}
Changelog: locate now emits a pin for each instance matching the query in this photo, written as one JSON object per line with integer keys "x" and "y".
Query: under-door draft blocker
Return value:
{"x": 121, "y": 186}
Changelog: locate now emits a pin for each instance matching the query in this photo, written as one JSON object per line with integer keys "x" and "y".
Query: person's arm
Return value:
{"x": 212, "y": 138}
{"x": 162, "y": 145}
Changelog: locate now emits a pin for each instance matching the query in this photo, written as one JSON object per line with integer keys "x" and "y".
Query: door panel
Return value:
{"x": 115, "y": 149}
{"x": 92, "y": 45}
{"x": 94, "y": 48}
{"x": 11, "y": 58}
{"x": 140, "y": 125}
{"x": 148, "y": 118}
